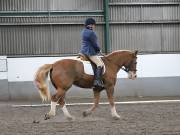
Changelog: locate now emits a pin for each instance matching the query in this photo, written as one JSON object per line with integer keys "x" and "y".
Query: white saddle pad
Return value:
{"x": 88, "y": 68}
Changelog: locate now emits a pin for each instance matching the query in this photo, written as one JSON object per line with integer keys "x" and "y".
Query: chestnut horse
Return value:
{"x": 64, "y": 73}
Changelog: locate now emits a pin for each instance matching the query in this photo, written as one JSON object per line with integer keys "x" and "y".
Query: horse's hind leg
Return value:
{"x": 52, "y": 111}
{"x": 94, "y": 106}
{"x": 62, "y": 103}
{"x": 58, "y": 98}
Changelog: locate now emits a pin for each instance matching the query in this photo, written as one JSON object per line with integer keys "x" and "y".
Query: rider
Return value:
{"x": 91, "y": 49}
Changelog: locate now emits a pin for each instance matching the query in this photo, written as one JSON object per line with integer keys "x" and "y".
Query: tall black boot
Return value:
{"x": 98, "y": 83}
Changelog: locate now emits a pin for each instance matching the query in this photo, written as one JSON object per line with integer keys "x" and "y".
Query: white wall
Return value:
{"x": 157, "y": 65}
{"x": 152, "y": 65}
{"x": 3, "y": 68}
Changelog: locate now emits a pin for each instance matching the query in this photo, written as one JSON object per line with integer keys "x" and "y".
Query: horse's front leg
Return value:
{"x": 110, "y": 92}
{"x": 94, "y": 106}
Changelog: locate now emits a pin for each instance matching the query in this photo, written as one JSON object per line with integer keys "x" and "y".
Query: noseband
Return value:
{"x": 128, "y": 68}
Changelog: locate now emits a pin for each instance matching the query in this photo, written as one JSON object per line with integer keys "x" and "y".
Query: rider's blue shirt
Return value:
{"x": 89, "y": 42}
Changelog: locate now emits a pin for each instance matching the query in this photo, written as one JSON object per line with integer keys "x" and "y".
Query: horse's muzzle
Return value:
{"x": 132, "y": 75}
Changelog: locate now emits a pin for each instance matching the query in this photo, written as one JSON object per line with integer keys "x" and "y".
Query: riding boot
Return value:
{"x": 98, "y": 83}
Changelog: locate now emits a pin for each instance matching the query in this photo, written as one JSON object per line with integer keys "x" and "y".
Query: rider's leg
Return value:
{"x": 98, "y": 73}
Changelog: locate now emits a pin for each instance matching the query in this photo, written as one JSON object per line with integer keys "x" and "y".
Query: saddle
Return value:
{"x": 83, "y": 57}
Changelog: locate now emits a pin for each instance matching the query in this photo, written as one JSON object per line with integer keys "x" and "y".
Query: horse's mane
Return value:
{"x": 117, "y": 52}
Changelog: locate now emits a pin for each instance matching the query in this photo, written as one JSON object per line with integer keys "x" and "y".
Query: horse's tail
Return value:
{"x": 41, "y": 81}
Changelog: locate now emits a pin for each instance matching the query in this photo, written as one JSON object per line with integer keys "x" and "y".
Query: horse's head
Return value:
{"x": 130, "y": 65}
{"x": 125, "y": 60}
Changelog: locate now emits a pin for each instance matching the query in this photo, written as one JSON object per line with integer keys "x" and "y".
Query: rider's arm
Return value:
{"x": 93, "y": 39}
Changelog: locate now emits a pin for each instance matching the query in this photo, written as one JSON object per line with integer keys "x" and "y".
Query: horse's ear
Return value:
{"x": 136, "y": 52}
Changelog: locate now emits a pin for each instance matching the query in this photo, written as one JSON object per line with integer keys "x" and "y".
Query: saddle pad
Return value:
{"x": 88, "y": 68}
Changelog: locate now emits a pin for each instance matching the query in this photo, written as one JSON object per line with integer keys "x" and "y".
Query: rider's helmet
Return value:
{"x": 89, "y": 21}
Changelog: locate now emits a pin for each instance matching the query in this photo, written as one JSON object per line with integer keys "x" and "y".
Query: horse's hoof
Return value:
{"x": 71, "y": 118}
{"x": 116, "y": 117}
{"x": 85, "y": 114}
{"x": 36, "y": 121}
{"x": 46, "y": 117}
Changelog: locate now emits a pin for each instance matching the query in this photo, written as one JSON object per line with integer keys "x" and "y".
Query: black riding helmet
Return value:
{"x": 89, "y": 21}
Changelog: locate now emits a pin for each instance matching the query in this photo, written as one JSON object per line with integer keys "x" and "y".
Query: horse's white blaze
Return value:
{"x": 65, "y": 111}
{"x": 53, "y": 109}
{"x": 114, "y": 113}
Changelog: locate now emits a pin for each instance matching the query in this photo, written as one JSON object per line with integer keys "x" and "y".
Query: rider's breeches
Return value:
{"x": 97, "y": 60}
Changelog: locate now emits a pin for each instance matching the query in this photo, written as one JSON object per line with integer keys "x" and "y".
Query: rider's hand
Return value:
{"x": 97, "y": 49}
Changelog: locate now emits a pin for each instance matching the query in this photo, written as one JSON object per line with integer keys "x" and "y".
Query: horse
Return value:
{"x": 67, "y": 72}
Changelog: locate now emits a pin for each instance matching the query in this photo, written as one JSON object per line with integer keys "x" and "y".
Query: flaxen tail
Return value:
{"x": 41, "y": 81}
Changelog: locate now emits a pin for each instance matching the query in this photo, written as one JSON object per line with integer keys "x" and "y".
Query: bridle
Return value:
{"x": 128, "y": 68}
